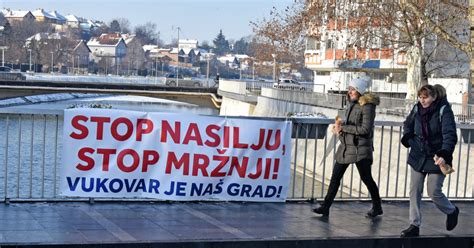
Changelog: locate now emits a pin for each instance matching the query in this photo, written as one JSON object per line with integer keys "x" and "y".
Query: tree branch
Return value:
{"x": 467, "y": 48}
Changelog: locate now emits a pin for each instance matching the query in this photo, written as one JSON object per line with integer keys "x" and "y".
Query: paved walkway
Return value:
{"x": 223, "y": 225}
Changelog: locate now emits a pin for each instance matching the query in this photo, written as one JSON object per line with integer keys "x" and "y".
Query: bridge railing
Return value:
{"x": 313, "y": 160}
{"x": 30, "y": 160}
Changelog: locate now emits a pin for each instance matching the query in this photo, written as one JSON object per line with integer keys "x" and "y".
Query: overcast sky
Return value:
{"x": 197, "y": 19}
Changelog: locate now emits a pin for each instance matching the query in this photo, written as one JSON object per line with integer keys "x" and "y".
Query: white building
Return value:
{"x": 333, "y": 55}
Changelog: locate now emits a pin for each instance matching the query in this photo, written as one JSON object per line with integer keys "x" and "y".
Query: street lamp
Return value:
{"x": 3, "y": 54}
{"x": 208, "y": 56}
{"x": 52, "y": 62}
{"x": 253, "y": 70}
{"x": 274, "y": 67}
{"x": 156, "y": 69}
{"x": 29, "y": 50}
{"x": 73, "y": 63}
{"x": 177, "y": 71}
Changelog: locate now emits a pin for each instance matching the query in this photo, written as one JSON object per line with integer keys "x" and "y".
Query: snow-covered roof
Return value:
{"x": 72, "y": 18}
{"x": 85, "y": 44}
{"x": 7, "y": 13}
{"x": 149, "y": 47}
{"x": 58, "y": 16}
{"x": 227, "y": 58}
{"x": 105, "y": 39}
{"x": 201, "y": 50}
{"x": 45, "y": 36}
{"x": 43, "y": 13}
{"x": 186, "y": 50}
{"x": 241, "y": 56}
{"x": 128, "y": 38}
{"x": 174, "y": 50}
{"x": 38, "y": 37}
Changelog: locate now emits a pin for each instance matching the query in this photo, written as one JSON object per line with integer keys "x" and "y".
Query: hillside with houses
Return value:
{"x": 50, "y": 41}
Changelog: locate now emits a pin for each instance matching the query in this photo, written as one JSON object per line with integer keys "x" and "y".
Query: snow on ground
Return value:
{"x": 307, "y": 115}
{"x": 134, "y": 99}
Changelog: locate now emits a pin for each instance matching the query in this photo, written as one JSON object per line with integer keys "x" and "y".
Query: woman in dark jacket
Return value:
{"x": 430, "y": 132}
{"x": 356, "y": 137}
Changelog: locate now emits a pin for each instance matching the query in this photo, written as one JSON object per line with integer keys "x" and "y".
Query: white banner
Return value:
{"x": 174, "y": 156}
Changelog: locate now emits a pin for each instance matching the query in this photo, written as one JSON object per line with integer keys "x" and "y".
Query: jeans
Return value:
{"x": 435, "y": 184}
{"x": 364, "y": 167}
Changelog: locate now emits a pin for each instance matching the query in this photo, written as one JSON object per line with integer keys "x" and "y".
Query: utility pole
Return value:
{"x": 207, "y": 73}
{"x": 52, "y": 62}
{"x": 29, "y": 50}
{"x": 274, "y": 67}
{"x": 156, "y": 69}
{"x": 253, "y": 70}
{"x": 177, "y": 71}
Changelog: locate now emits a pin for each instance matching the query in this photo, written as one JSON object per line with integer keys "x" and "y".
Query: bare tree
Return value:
{"x": 282, "y": 34}
{"x": 124, "y": 25}
{"x": 434, "y": 34}
{"x": 135, "y": 58}
{"x": 147, "y": 33}
{"x": 15, "y": 40}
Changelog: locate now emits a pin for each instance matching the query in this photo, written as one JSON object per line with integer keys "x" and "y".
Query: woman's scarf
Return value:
{"x": 425, "y": 116}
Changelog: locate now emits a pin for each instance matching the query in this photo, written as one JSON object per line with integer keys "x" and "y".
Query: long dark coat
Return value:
{"x": 358, "y": 131}
{"x": 441, "y": 139}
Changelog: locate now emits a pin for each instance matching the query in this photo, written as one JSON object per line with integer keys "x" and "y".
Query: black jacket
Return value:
{"x": 441, "y": 139}
{"x": 358, "y": 131}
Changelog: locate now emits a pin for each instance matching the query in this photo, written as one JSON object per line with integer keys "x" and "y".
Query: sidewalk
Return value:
{"x": 224, "y": 225}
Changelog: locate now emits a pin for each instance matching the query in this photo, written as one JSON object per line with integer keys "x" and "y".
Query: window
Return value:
{"x": 312, "y": 43}
{"x": 329, "y": 44}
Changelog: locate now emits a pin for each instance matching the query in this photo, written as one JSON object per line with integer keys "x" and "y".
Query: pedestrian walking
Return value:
{"x": 430, "y": 132}
{"x": 356, "y": 134}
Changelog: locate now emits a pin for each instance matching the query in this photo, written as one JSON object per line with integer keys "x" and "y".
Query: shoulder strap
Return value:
{"x": 441, "y": 113}
{"x": 415, "y": 108}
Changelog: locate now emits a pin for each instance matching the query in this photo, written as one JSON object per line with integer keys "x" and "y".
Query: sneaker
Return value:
{"x": 411, "y": 231}
{"x": 321, "y": 210}
{"x": 452, "y": 219}
{"x": 374, "y": 212}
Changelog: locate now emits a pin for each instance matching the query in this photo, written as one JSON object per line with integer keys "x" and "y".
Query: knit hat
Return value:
{"x": 360, "y": 84}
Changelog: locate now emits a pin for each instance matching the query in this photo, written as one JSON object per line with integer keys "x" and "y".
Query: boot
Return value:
{"x": 324, "y": 211}
{"x": 452, "y": 219}
{"x": 411, "y": 231}
{"x": 374, "y": 212}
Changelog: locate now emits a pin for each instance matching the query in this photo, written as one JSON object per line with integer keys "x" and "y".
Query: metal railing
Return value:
{"x": 29, "y": 160}
{"x": 463, "y": 113}
{"x": 313, "y": 159}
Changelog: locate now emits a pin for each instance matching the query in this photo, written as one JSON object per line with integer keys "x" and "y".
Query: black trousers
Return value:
{"x": 364, "y": 167}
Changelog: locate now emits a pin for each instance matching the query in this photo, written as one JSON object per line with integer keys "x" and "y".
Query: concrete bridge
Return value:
{"x": 203, "y": 96}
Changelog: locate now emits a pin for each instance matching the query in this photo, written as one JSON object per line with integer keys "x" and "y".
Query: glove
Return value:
{"x": 405, "y": 139}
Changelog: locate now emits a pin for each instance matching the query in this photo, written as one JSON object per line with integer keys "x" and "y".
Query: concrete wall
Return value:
{"x": 231, "y": 107}
{"x": 238, "y": 87}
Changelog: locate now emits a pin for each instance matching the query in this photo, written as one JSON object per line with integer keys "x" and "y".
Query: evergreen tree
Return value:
{"x": 221, "y": 44}
{"x": 241, "y": 46}
{"x": 115, "y": 26}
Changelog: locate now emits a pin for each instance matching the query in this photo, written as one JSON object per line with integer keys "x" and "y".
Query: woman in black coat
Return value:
{"x": 356, "y": 137}
{"x": 430, "y": 132}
